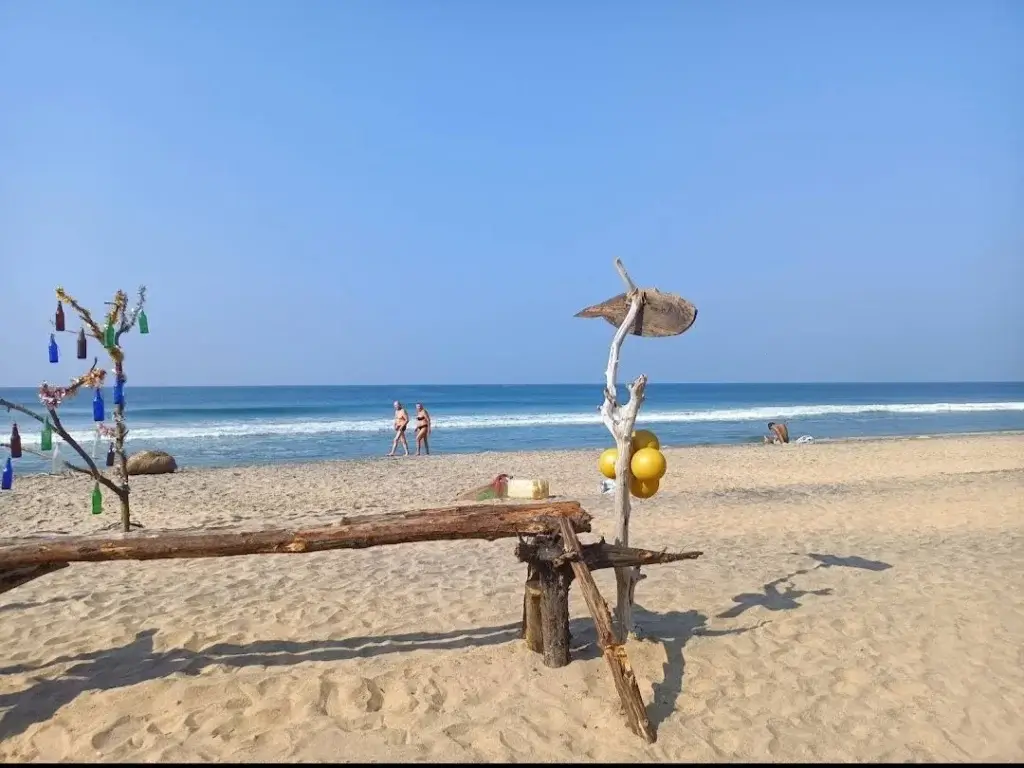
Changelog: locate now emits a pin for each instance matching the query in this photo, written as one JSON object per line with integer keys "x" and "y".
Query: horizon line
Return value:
{"x": 557, "y": 384}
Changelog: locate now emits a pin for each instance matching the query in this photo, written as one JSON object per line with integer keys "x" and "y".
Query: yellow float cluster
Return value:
{"x": 647, "y": 464}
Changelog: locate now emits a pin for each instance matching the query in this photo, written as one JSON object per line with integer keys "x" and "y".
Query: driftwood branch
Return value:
{"x": 621, "y": 421}
{"x": 477, "y": 521}
{"x": 15, "y": 577}
{"x": 21, "y": 409}
{"x": 41, "y": 455}
{"x": 93, "y": 470}
{"x": 614, "y": 652}
{"x": 601, "y": 555}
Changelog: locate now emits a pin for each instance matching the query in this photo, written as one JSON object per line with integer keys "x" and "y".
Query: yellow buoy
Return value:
{"x": 643, "y": 489}
{"x": 607, "y": 462}
{"x": 648, "y": 464}
{"x": 644, "y": 438}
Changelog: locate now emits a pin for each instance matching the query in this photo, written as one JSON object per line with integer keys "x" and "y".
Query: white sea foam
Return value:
{"x": 236, "y": 429}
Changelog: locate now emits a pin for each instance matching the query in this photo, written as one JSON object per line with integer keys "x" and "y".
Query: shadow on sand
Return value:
{"x": 138, "y": 661}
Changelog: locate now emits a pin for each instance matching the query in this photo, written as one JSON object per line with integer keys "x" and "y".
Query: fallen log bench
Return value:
{"x": 547, "y": 543}
{"x": 468, "y": 521}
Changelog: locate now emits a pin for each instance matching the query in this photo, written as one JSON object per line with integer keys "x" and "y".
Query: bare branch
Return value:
{"x": 612, "y": 371}
{"x": 84, "y": 314}
{"x": 21, "y": 409}
{"x": 93, "y": 470}
{"x": 630, "y": 285}
{"x": 41, "y": 455}
{"x": 130, "y": 318}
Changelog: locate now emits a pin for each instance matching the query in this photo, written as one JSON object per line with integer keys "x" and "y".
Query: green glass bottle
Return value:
{"x": 97, "y": 500}
{"x": 46, "y": 439}
{"x": 143, "y": 322}
{"x": 109, "y": 336}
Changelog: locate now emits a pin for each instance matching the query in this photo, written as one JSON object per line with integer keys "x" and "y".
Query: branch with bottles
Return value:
{"x": 119, "y": 320}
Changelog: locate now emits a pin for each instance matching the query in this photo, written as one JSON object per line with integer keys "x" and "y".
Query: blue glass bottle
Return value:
{"x": 119, "y": 391}
{"x": 54, "y": 352}
{"x": 97, "y": 407}
{"x": 8, "y": 477}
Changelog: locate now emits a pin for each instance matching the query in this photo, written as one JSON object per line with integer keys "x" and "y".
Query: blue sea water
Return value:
{"x": 224, "y": 426}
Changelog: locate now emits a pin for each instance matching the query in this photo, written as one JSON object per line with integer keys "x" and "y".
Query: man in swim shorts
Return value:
{"x": 401, "y": 422}
{"x": 778, "y": 434}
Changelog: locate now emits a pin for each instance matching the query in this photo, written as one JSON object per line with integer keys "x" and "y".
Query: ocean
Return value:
{"x": 231, "y": 426}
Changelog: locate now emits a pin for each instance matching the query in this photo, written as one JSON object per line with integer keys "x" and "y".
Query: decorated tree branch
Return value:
{"x": 119, "y": 320}
{"x": 636, "y": 463}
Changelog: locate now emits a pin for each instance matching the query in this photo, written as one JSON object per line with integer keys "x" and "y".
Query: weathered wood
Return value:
{"x": 15, "y": 577}
{"x": 614, "y": 652}
{"x": 533, "y": 617}
{"x": 604, "y": 555}
{"x": 554, "y": 608}
{"x": 475, "y": 521}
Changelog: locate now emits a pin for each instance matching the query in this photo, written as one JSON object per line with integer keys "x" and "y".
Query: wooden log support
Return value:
{"x": 533, "y": 621}
{"x": 468, "y": 521}
{"x": 602, "y": 555}
{"x": 15, "y": 577}
{"x": 614, "y": 652}
{"x": 554, "y": 611}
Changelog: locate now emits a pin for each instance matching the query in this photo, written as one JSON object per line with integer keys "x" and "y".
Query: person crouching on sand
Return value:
{"x": 778, "y": 434}
{"x": 422, "y": 429}
{"x": 401, "y": 422}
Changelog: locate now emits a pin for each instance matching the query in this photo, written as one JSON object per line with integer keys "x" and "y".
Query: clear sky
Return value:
{"x": 365, "y": 191}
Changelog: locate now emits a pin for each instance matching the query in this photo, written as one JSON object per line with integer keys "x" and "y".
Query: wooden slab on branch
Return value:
{"x": 601, "y": 555}
{"x": 661, "y": 314}
{"x": 614, "y": 652}
{"x": 468, "y": 521}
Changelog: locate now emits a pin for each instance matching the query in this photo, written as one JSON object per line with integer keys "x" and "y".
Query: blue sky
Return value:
{"x": 377, "y": 192}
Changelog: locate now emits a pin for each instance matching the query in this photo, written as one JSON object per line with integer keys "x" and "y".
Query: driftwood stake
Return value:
{"x": 614, "y": 652}
{"x": 621, "y": 421}
{"x": 471, "y": 521}
{"x": 554, "y": 609}
{"x": 533, "y": 621}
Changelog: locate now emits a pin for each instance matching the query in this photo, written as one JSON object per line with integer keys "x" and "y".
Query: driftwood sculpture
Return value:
{"x": 120, "y": 319}
{"x": 641, "y": 312}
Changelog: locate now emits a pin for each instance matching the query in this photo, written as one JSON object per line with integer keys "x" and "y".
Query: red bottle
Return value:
{"x": 15, "y": 443}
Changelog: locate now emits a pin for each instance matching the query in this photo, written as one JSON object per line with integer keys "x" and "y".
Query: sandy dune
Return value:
{"x": 858, "y": 601}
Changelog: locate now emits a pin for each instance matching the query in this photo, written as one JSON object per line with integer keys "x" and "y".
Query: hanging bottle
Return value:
{"x": 55, "y": 464}
{"x": 83, "y": 351}
{"x": 46, "y": 439}
{"x": 97, "y": 500}
{"x": 110, "y": 455}
{"x": 97, "y": 406}
{"x": 143, "y": 322}
{"x": 58, "y": 321}
{"x": 15, "y": 442}
{"x": 109, "y": 336}
{"x": 54, "y": 352}
{"x": 7, "y": 480}
{"x": 119, "y": 391}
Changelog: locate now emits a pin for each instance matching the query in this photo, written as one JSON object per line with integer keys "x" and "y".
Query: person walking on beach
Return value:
{"x": 401, "y": 422}
{"x": 422, "y": 429}
{"x": 778, "y": 434}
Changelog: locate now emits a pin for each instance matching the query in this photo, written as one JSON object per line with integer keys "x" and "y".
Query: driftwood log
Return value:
{"x": 614, "y": 652}
{"x": 472, "y": 521}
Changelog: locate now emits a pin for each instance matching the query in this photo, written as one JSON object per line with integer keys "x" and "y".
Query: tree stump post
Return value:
{"x": 533, "y": 616}
{"x": 554, "y": 609}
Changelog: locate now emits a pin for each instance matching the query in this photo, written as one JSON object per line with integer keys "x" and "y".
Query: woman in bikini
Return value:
{"x": 422, "y": 429}
{"x": 401, "y": 422}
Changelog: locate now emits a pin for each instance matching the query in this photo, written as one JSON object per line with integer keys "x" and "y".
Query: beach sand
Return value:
{"x": 857, "y": 601}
